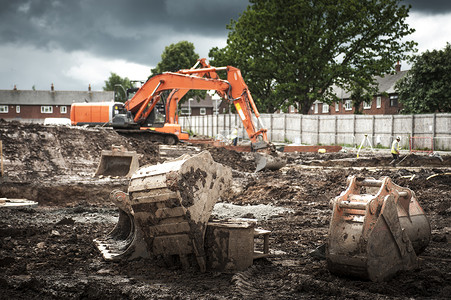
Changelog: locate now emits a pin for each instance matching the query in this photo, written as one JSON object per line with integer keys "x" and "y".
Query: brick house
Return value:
{"x": 384, "y": 103}
{"x": 207, "y": 106}
{"x": 35, "y": 106}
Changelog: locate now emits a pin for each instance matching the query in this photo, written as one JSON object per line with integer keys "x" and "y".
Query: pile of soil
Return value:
{"x": 36, "y": 151}
{"x": 47, "y": 252}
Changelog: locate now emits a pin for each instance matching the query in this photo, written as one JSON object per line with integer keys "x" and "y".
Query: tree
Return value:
{"x": 361, "y": 93}
{"x": 427, "y": 86}
{"x": 291, "y": 52}
{"x": 175, "y": 57}
{"x": 118, "y": 85}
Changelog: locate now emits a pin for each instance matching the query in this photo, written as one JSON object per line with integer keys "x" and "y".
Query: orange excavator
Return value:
{"x": 153, "y": 113}
{"x": 150, "y": 111}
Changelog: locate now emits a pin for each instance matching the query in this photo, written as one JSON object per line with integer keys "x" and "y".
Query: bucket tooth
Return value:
{"x": 373, "y": 236}
{"x": 117, "y": 162}
{"x": 121, "y": 237}
{"x": 169, "y": 206}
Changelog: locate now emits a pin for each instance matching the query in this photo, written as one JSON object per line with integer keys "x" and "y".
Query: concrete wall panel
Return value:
{"x": 337, "y": 129}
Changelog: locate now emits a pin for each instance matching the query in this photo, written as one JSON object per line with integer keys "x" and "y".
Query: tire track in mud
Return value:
{"x": 245, "y": 284}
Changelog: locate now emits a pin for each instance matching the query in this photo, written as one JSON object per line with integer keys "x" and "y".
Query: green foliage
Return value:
{"x": 358, "y": 96}
{"x": 379, "y": 146}
{"x": 176, "y": 57}
{"x": 291, "y": 52}
{"x": 427, "y": 86}
{"x": 118, "y": 85}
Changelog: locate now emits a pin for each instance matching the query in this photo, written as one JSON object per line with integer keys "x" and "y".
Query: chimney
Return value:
{"x": 52, "y": 88}
{"x": 398, "y": 67}
{"x": 89, "y": 88}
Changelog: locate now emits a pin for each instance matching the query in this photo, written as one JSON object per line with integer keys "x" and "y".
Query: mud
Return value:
{"x": 48, "y": 253}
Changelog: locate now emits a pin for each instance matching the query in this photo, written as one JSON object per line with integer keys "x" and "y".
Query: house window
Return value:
{"x": 378, "y": 102}
{"x": 203, "y": 111}
{"x": 4, "y": 109}
{"x": 46, "y": 109}
{"x": 292, "y": 109}
{"x": 325, "y": 108}
{"x": 186, "y": 111}
{"x": 17, "y": 109}
{"x": 394, "y": 101}
{"x": 337, "y": 106}
{"x": 348, "y": 105}
{"x": 63, "y": 109}
{"x": 316, "y": 108}
{"x": 367, "y": 105}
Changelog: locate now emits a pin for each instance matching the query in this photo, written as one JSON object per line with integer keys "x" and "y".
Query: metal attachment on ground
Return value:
{"x": 437, "y": 155}
{"x": 117, "y": 162}
{"x": 268, "y": 161}
{"x": 377, "y": 229}
{"x": 230, "y": 245}
{"x": 166, "y": 210}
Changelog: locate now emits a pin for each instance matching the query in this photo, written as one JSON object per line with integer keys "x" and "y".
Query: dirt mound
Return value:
{"x": 54, "y": 165}
{"x": 36, "y": 151}
{"x": 48, "y": 253}
{"x": 236, "y": 160}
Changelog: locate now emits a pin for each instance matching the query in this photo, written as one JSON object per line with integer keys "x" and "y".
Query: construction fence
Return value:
{"x": 334, "y": 130}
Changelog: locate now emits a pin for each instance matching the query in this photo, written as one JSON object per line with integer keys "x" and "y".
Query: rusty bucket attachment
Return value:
{"x": 265, "y": 161}
{"x": 231, "y": 244}
{"x": 166, "y": 210}
{"x": 377, "y": 229}
{"x": 117, "y": 162}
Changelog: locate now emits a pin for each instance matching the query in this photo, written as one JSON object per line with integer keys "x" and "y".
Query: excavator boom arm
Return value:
{"x": 234, "y": 90}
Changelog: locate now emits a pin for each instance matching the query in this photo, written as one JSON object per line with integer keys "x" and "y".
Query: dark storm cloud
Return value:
{"x": 429, "y": 6}
{"x": 132, "y": 30}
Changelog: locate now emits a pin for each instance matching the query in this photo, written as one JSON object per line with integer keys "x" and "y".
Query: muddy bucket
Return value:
{"x": 166, "y": 211}
{"x": 117, "y": 162}
{"x": 377, "y": 229}
{"x": 266, "y": 161}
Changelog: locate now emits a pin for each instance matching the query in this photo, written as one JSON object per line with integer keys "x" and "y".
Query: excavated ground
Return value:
{"x": 47, "y": 252}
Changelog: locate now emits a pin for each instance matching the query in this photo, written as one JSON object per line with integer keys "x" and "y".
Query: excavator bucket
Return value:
{"x": 265, "y": 161}
{"x": 117, "y": 162}
{"x": 377, "y": 229}
{"x": 166, "y": 211}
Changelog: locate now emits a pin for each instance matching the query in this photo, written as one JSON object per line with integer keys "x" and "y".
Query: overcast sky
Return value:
{"x": 76, "y": 43}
